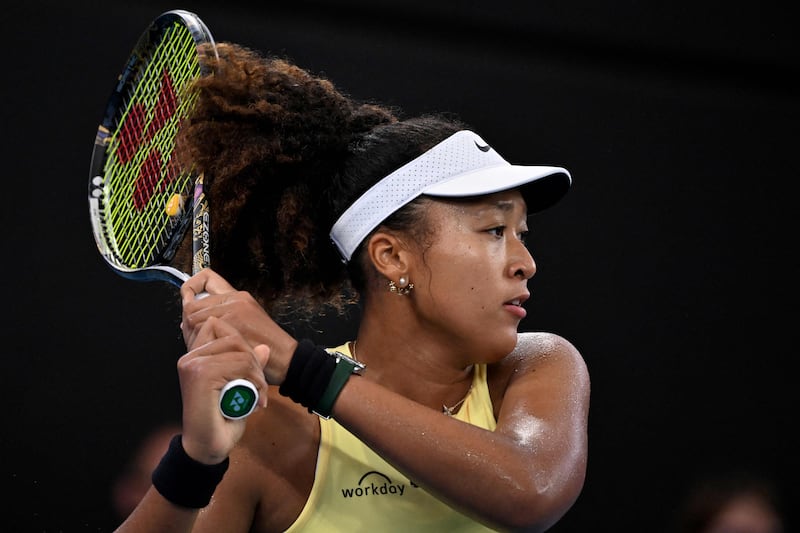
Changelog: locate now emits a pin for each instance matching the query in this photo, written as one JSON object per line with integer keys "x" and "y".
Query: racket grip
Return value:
{"x": 237, "y": 399}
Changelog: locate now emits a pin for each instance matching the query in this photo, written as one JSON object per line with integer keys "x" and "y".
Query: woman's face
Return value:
{"x": 474, "y": 272}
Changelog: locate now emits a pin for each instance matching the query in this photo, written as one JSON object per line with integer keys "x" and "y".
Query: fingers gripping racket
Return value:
{"x": 141, "y": 203}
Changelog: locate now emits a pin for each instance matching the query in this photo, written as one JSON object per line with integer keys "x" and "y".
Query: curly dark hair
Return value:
{"x": 284, "y": 153}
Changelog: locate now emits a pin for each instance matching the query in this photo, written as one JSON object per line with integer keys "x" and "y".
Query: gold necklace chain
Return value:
{"x": 448, "y": 411}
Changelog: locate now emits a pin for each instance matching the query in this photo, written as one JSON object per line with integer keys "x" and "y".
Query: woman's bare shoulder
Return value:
{"x": 543, "y": 353}
{"x": 533, "y": 346}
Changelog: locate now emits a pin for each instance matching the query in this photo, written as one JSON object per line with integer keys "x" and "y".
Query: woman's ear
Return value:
{"x": 389, "y": 254}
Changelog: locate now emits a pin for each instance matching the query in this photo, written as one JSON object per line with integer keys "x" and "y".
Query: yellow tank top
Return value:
{"x": 355, "y": 490}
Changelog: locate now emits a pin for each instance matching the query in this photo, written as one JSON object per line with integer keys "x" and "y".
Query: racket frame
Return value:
{"x": 239, "y": 397}
{"x": 157, "y": 268}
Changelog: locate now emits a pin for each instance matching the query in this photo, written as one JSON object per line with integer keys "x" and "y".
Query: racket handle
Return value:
{"x": 238, "y": 399}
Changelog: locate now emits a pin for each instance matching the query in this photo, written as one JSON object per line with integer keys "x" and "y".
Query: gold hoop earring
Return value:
{"x": 403, "y": 287}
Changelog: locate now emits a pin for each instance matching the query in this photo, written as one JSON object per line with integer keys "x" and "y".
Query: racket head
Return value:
{"x": 141, "y": 202}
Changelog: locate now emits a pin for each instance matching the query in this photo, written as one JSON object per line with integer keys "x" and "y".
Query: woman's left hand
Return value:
{"x": 240, "y": 310}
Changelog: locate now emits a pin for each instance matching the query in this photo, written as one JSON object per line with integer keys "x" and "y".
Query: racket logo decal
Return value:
{"x": 139, "y": 136}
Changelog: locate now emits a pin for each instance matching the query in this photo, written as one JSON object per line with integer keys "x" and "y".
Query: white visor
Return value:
{"x": 461, "y": 165}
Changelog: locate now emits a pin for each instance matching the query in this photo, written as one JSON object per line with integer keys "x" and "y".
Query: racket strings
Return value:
{"x": 141, "y": 177}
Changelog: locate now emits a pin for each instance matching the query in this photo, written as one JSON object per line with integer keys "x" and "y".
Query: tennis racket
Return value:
{"x": 141, "y": 202}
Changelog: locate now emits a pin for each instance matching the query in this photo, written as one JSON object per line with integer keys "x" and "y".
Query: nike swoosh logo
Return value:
{"x": 484, "y": 148}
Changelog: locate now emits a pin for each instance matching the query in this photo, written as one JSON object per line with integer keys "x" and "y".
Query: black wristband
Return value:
{"x": 308, "y": 375}
{"x": 184, "y": 481}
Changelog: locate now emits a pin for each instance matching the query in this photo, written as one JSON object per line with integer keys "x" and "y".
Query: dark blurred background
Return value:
{"x": 670, "y": 265}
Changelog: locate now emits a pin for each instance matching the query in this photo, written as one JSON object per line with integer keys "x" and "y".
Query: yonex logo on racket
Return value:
{"x": 237, "y": 399}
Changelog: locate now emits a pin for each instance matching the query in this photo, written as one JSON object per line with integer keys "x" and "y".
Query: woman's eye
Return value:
{"x": 500, "y": 232}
